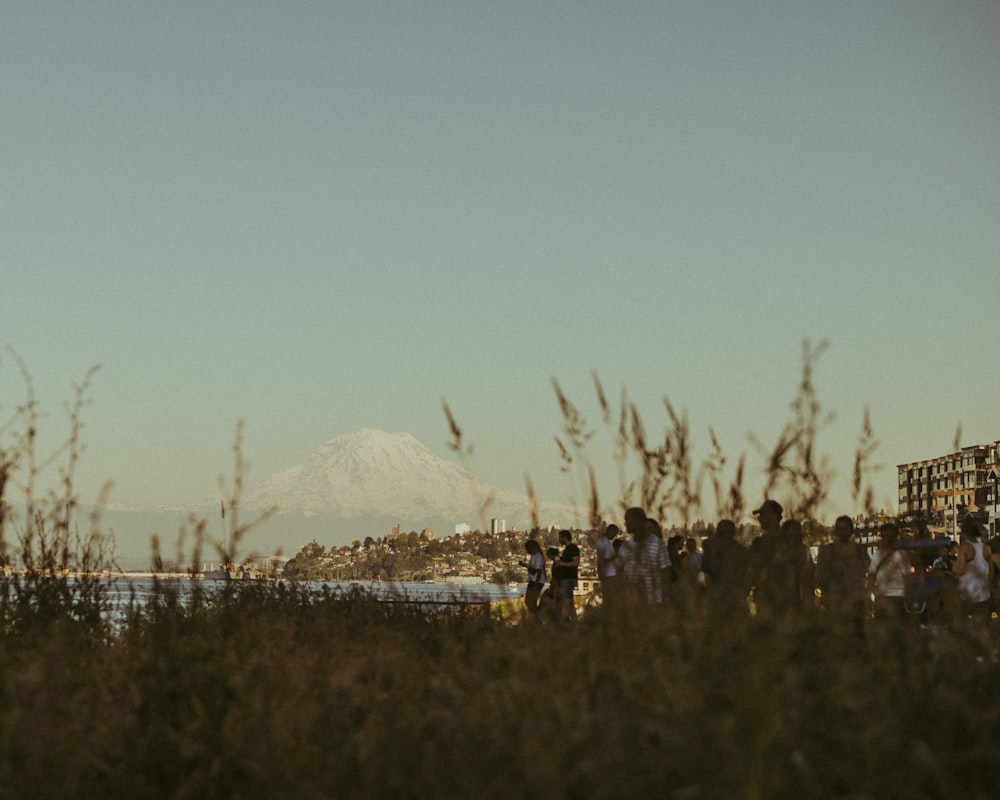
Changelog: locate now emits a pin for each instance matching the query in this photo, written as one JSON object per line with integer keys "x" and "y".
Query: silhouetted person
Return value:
{"x": 841, "y": 567}
{"x": 644, "y": 557}
{"x": 780, "y": 566}
{"x": 675, "y": 551}
{"x": 725, "y": 564}
{"x": 692, "y": 559}
{"x": 552, "y": 596}
{"x": 607, "y": 566}
{"x": 536, "y": 575}
{"x": 569, "y": 561}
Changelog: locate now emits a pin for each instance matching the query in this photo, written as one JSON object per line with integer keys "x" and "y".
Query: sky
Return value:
{"x": 321, "y": 216}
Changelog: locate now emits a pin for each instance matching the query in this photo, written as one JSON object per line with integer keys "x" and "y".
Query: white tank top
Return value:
{"x": 974, "y": 583}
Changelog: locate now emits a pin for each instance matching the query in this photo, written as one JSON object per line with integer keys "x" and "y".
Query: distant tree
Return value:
{"x": 312, "y": 550}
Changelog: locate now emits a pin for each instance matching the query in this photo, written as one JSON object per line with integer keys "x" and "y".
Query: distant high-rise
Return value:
{"x": 948, "y": 487}
{"x": 497, "y": 526}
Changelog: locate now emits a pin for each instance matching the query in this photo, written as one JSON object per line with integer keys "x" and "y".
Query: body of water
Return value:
{"x": 121, "y": 590}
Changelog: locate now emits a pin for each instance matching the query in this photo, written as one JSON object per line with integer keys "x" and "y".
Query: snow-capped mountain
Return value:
{"x": 357, "y": 485}
{"x": 371, "y": 473}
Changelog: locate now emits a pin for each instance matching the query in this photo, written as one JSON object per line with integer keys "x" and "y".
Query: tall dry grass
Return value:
{"x": 275, "y": 691}
{"x": 660, "y": 471}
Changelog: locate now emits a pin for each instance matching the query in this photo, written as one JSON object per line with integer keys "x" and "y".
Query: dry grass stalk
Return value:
{"x": 862, "y": 491}
{"x": 464, "y": 452}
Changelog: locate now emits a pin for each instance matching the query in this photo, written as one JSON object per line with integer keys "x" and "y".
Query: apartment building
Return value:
{"x": 948, "y": 487}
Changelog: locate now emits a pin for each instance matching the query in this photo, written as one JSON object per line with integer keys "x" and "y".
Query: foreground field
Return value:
{"x": 271, "y": 692}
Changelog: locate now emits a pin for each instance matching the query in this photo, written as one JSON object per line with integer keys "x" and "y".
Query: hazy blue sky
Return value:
{"x": 323, "y": 216}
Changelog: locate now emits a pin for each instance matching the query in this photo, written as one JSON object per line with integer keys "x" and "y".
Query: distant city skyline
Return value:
{"x": 320, "y": 218}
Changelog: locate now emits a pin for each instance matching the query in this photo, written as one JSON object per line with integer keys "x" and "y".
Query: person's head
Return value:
{"x": 726, "y": 529}
{"x": 635, "y": 521}
{"x": 843, "y": 528}
{"x": 769, "y": 515}
{"x": 612, "y": 531}
{"x": 792, "y": 528}
{"x": 691, "y": 545}
{"x": 970, "y": 529}
{"x": 674, "y": 543}
{"x": 565, "y": 537}
{"x": 653, "y": 528}
{"x": 532, "y": 547}
{"x": 552, "y": 552}
{"x": 889, "y": 534}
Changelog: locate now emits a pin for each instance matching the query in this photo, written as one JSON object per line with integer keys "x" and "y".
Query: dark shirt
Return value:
{"x": 725, "y": 562}
{"x": 570, "y": 551}
{"x": 777, "y": 563}
{"x": 840, "y": 573}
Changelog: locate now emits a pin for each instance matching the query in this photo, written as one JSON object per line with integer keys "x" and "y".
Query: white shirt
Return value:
{"x": 536, "y": 568}
{"x": 890, "y": 580}
{"x": 607, "y": 558}
{"x": 644, "y": 564}
{"x": 974, "y": 582}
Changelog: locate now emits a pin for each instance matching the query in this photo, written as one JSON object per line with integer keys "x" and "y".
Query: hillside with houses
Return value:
{"x": 471, "y": 557}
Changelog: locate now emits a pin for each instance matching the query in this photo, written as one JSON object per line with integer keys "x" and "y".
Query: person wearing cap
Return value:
{"x": 769, "y": 515}
{"x": 780, "y": 567}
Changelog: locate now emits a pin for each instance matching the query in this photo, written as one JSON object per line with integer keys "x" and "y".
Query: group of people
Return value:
{"x": 565, "y": 576}
{"x": 774, "y": 576}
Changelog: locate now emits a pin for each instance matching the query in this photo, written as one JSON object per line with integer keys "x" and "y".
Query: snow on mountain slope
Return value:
{"x": 374, "y": 473}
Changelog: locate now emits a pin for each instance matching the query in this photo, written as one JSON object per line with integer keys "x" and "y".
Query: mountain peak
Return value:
{"x": 370, "y": 435}
{"x": 374, "y": 473}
